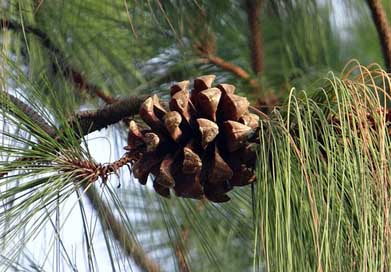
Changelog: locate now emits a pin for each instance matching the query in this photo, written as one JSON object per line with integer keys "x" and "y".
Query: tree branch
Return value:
{"x": 90, "y": 121}
{"x": 232, "y": 68}
{"x": 179, "y": 250}
{"x": 86, "y": 122}
{"x": 127, "y": 242}
{"x": 29, "y": 111}
{"x": 383, "y": 30}
{"x": 77, "y": 79}
{"x": 253, "y": 9}
{"x": 266, "y": 103}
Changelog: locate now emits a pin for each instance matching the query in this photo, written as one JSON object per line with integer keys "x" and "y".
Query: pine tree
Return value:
{"x": 200, "y": 102}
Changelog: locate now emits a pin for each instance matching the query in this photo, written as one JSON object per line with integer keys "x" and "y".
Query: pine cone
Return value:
{"x": 203, "y": 145}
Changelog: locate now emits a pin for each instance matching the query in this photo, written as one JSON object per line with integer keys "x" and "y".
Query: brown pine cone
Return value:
{"x": 203, "y": 145}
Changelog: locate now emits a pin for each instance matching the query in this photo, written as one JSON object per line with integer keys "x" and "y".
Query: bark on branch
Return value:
{"x": 72, "y": 74}
{"x": 35, "y": 117}
{"x": 253, "y": 9}
{"x": 383, "y": 29}
{"x": 84, "y": 122}
{"x": 89, "y": 121}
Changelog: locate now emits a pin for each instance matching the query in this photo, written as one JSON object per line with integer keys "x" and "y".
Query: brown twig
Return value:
{"x": 265, "y": 102}
{"x": 89, "y": 171}
{"x": 123, "y": 236}
{"x": 82, "y": 83}
{"x": 89, "y": 121}
{"x": 76, "y": 77}
{"x": 253, "y": 9}
{"x": 83, "y": 122}
{"x": 383, "y": 29}
{"x": 179, "y": 250}
{"x": 230, "y": 67}
{"x": 36, "y": 118}
{"x": 205, "y": 46}
{"x": 183, "y": 238}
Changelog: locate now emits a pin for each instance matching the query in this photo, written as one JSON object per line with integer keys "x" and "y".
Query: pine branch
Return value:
{"x": 82, "y": 83}
{"x": 231, "y": 67}
{"x": 127, "y": 242}
{"x": 180, "y": 252}
{"x": 253, "y": 9}
{"x": 26, "y": 109}
{"x": 265, "y": 104}
{"x": 383, "y": 29}
{"x": 83, "y": 122}
{"x": 72, "y": 74}
{"x": 86, "y": 122}
{"x": 92, "y": 121}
